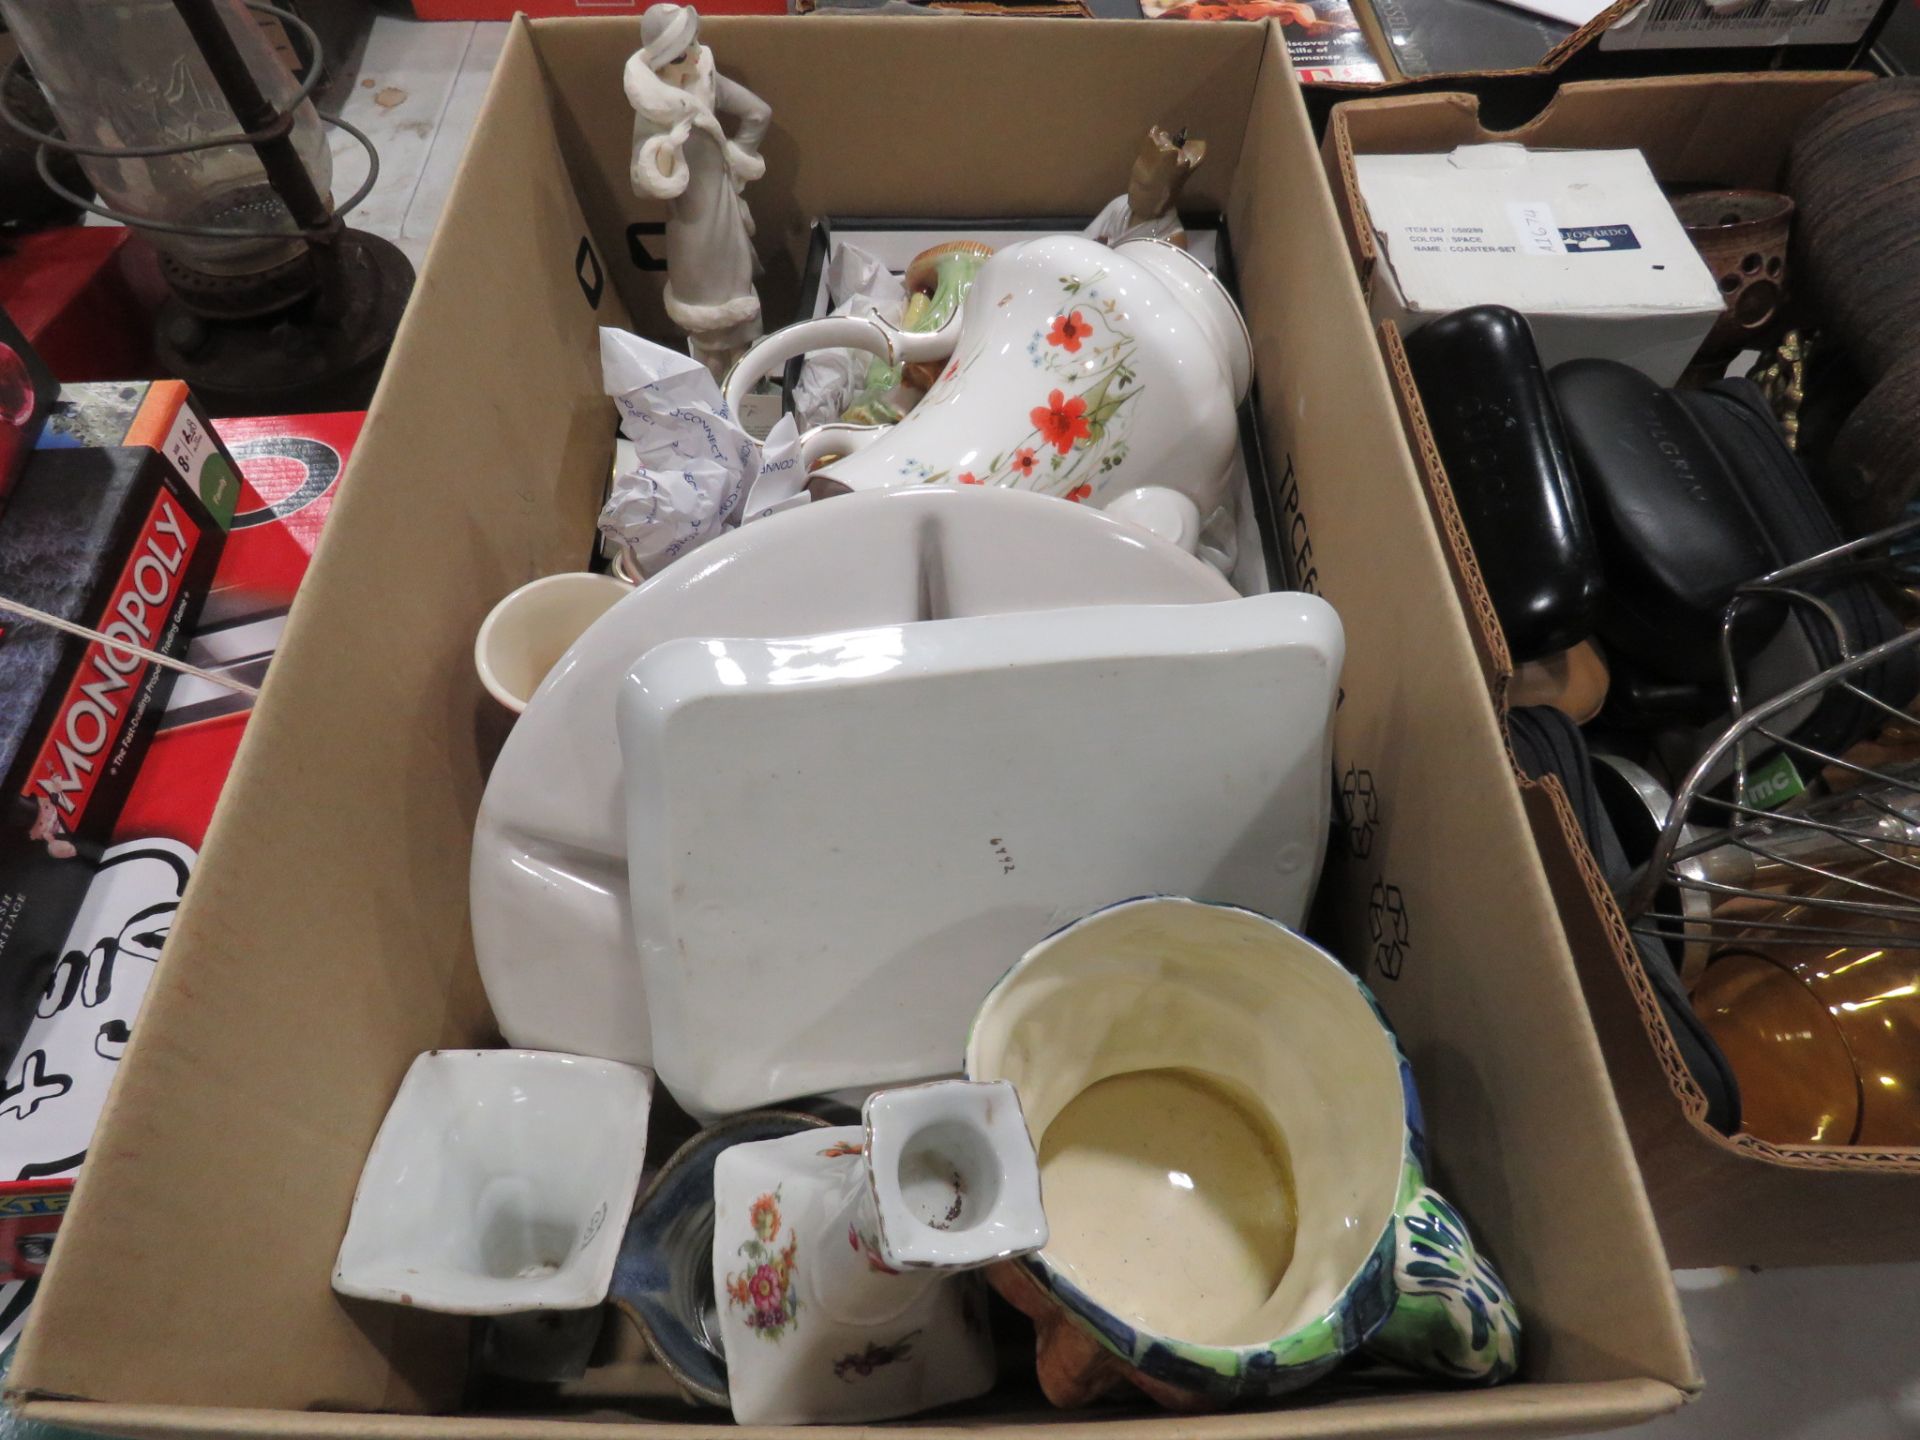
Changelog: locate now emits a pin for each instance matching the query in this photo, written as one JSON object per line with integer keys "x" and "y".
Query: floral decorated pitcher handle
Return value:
{"x": 831, "y": 332}
{"x": 1453, "y": 1316}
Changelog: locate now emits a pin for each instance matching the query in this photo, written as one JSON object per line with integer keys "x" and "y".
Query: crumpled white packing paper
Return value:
{"x": 857, "y": 284}
{"x": 692, "y": 465}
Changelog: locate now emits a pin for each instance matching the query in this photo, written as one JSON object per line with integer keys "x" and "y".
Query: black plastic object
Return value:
{"x": 1492, "y": 414}
{"x": 1638, "y": 701}
{"x": 1739, "y": 424}
{"x": 1547, "y": 742}
{"x": 1676, "y": 531}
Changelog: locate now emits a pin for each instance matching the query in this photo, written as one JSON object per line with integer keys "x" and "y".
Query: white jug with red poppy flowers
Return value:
{"x": 1105, "y": 376}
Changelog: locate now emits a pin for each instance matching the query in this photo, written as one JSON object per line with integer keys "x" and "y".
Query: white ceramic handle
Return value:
{"x": 837, "y": 439}
{"x": 1163, "y": 511}
{"x": 848, "y": 332}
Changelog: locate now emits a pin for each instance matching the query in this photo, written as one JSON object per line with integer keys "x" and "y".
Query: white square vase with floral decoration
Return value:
{"x": 838, "y": 1255}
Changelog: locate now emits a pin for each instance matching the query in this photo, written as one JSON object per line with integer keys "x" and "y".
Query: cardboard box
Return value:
{"x": 325, "y": 940}
{"x": 1581, "y": 242}
{"x": 1718, "y": 1200}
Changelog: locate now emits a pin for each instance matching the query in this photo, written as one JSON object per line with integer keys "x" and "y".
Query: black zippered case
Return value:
{"x": 1739, "y": 424}
{"x": 1694, "y": 493}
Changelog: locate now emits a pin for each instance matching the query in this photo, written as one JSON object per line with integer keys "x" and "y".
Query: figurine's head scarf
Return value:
{"x": 667, "y": 32}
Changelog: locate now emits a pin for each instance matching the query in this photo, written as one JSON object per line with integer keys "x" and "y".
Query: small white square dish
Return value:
{"x": 500, "y": 1181}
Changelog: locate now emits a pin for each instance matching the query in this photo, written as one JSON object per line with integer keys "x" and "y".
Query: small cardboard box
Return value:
{"x": 1719, "y": 1200}
{"x": 1581, "y": 242}
{"x": 324, "y": 941}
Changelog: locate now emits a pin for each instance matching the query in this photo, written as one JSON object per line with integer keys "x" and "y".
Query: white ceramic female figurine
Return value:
{"x": 681, "y": 154}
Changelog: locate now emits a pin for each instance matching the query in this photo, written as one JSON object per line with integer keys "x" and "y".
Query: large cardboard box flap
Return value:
{"x": 325, "y": 939}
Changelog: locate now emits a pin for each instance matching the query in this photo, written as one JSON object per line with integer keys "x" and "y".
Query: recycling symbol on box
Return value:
{"x": 1387, "y": 924}
{"x": 1360, "y": 805}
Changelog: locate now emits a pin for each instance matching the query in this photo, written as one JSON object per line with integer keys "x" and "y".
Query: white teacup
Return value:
{"x": 500, "y": 1181}
{"x": 524, "y": 636}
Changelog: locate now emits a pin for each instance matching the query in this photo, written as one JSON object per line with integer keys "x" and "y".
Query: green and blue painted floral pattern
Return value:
{"x": 1454, "y": 1316}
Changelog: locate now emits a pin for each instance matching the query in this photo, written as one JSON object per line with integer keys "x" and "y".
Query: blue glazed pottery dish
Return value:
{"x": 663, "y": 1279}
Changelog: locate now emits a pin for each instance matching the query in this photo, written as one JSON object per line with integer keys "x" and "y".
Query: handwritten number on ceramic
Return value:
{"x": 593, "y": 1225}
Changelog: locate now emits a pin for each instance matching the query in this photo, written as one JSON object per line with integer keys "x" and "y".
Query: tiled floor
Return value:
{"x": 417, "y": 94}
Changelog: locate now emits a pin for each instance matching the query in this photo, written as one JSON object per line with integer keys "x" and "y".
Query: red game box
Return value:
{"x": 58, "y": 1081}
{"x": 111, "y": 541}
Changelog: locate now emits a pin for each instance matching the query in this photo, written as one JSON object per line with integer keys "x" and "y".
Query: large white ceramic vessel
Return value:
{"x": 1073, "y": 370}
{"x": 499, "y": 1182}
{"x": 551, "y": 917}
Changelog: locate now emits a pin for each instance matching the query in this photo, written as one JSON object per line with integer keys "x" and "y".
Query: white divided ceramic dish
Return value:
{"x": 500, "y": 1181}
{"x": 551, "y": 922}
{"x": 838, "y": 843}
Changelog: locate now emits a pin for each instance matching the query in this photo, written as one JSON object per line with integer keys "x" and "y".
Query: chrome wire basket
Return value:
{"x": 1839, "y": 863}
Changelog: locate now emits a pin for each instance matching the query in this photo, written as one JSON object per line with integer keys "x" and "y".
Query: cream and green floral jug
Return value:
{"x": 1233, "y": 1167}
